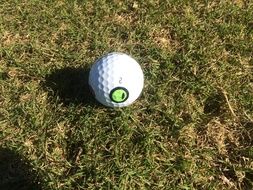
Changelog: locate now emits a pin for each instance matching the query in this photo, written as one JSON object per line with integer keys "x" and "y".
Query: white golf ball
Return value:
{"x": 116, "y": 80}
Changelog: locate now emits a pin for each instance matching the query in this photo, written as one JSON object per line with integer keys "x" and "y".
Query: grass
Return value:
{"x": 192, "y": 128}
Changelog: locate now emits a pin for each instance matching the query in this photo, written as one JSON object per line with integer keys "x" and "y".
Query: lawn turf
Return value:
{"x": 192, "y": 128}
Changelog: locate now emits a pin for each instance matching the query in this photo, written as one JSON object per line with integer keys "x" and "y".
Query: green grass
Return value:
{"x": 192, "y": 128}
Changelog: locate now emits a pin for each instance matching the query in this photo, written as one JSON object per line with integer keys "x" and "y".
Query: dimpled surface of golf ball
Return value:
{"x": 116, "y": 80}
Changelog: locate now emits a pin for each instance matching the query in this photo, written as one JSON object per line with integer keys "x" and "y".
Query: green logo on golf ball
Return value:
{"x": 119, "y": 94}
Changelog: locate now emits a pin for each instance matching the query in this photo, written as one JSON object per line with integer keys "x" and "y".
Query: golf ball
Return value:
{"x": 116, "y": 80}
